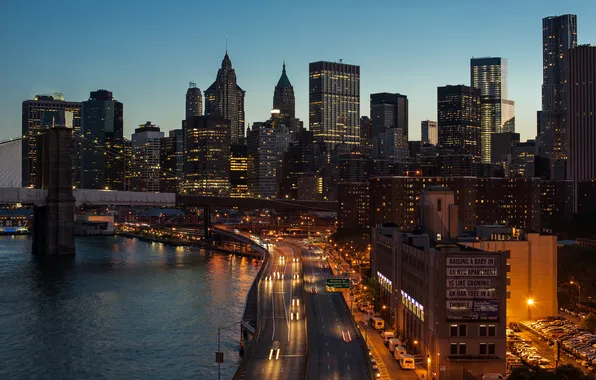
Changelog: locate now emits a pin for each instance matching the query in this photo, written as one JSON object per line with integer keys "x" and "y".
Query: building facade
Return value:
{"x": 430, "y": 132}
{"x": 262, "y": 160}
{"x": 102, "y": 143}
{"x": 194, "y": 101}
{"x": 497, "y": 115}
{"x": 459, "y": 117}
{"x": 43, "y": 112}
{"x": 334, "y": 103}
{"x": 581, "y": 114}
{"x": 283, "y": 96}
{"x": 388, "y": 113}
{"x": 146, "y": 158}
{"x": 207, "y": 141}
{"x": 239, "y": 171}
{"x": 172, "y": 162}
{"x": 559, "y": 34}
{"x": 224, "y": 98}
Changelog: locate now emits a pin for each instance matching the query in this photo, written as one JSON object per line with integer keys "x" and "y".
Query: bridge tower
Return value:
{"x": 53, "y": 224}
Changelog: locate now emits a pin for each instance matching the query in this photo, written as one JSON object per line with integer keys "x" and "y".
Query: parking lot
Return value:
{"x": 535, "y": 345}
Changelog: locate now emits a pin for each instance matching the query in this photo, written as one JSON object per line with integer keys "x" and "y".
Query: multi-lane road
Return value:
{"x": 336, "y": 351}
{"x": 281, "y": 347}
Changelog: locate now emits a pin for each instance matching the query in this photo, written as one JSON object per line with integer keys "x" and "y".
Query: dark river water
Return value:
{"x": 120, "y": 309}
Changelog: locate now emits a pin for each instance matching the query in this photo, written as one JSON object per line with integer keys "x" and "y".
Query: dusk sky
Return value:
{"x": 146, "y": 52}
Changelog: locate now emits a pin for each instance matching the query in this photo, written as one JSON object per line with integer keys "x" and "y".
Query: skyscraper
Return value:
{"x": 430, "y": 132}
{"x": 388, "y": 111}
{"x": 102, "y": 147}
{"x": 194, "y": 101}
{"x": 225, "y": 98}
{"x": 490, "y": 76}
{"x": 207, "y": 155}
{"x": 458, "y": 112}
{"x": 334, "y": 103}
{"x": 239, "y": 171}
{"x": 559, "y": 33}
{"x": 171, "y": 164}
{"x": 581, "y": 115}
{"x": 283, "y": 97}
{"x": 262, "y": 160}
{"x": 43, "y": 112}
{"x": 146, "y": 158}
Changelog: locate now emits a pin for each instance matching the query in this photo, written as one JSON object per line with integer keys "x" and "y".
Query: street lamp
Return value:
{"x": 579, "y": 290}
{"x": 530, "y": 302}
{"x": 428, "y": 366}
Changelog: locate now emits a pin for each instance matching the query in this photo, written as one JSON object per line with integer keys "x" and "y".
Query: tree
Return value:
{"x": 521, "y": 373}
{"x": 564, "y": 372}
{"x": 589, "y": 322}
{"x": 569, "y": 372}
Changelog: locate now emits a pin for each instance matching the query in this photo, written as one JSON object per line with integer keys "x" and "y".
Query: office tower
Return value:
{"x": 146, "y": 158}
{"x": 171, "y": 162}
{"x": 102, "y": 146}
{"x": 430, "y": 132}
{"x": 334, "y": 103}
{"x": 365, "y": 135}
{"x": 538, "y": 122}
{"x": 502, "y": 144}
{"x": 283, "y": 97}
{"x": 523, "y": 159}
{"x": 388, "y": 111}
{"x": 490, "y": 75}
{"x": 43, "y": 112}
{"x": 194, "y": 101}
{"x": 298, "y": 168}
{"x": 225, "y": 98}
{"x": 458, "y": 112}
{"x": 207, "y": 141}
{"x": 239, "y": 171}
{"x": 581, "y": 114}
{"x": 261, "y": 143}
{"x": 127, "y": 164}
{"x": 559, "y": 33}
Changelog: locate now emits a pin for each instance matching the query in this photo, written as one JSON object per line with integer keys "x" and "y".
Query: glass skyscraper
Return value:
{"x": 490, "y": 76}
{"x": 334, "y": 103}
{"x": 559, "y": 34}
{"x": 458, "y": 114}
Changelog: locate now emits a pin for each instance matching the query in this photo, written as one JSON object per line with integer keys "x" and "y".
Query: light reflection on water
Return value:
{"x": 120, "y": 309}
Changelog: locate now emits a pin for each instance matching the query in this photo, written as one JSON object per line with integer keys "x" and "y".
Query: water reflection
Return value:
{"x": 120, "y": 309}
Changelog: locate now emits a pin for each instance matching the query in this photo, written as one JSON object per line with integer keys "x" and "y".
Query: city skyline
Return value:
{"x": 153, "y": 88}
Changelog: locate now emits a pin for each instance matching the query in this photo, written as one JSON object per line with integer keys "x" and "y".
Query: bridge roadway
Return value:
{"x": 330, "y": 356}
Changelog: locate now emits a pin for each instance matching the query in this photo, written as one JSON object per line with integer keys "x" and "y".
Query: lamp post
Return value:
{"x": 219, "y": 357}
{"x": 530, "y": 302}
{"x": 579, "y": 290}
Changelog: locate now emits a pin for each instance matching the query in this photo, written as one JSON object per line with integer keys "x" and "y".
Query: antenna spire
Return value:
{"x": 226, "y": 44}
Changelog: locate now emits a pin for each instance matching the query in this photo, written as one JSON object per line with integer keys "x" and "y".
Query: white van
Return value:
{"x": 492, "y": 376}
{"x": 387, "y": 335}
{"x": 398, "y": 352}
{"x": 392, "y": 343}
{"x": 407, "y": 362}
{"x": 378, "y": 323}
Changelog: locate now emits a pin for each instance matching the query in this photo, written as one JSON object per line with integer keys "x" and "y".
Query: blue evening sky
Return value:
{"x": 146, "y": 52}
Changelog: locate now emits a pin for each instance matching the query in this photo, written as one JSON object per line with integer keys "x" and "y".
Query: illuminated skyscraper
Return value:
{"x": 334, "y": 103}
{"x": 458, "y": 112}
{"x": 283, "y": 97}
{"x": 146, "y": 158}
{"x": 102, "y": 149}
{"x": 225, "y": 98}
{"x": 559, "y": 33}
{"x": 497, "y": 113}
{"x": 194, "y": 101}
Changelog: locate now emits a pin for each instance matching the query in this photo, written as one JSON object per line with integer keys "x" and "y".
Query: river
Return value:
{"x": 120, "y": 309}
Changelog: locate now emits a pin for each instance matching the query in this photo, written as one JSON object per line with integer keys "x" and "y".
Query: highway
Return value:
{"x": 281, "y": 301}
{"x": 331, "y": 357}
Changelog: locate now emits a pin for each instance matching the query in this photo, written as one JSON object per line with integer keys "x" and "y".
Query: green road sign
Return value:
{"x": 338, "y": 283}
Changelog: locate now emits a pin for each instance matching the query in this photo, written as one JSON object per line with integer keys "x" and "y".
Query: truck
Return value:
{"x": 378, "y": 323}
{"x": 398, "y": 352}
{"x": 394, "y": 342}
{"x": 407, "y": 362}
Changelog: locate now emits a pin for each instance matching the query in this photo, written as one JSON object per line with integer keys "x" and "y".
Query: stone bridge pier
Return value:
{"x": 53, "y": 224}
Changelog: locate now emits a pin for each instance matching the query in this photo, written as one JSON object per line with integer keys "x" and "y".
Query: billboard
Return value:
{"x": 473, "y": 310}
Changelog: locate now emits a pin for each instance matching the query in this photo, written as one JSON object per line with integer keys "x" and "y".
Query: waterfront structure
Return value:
{"x": 262, "y": 160}
{"x": 102, "y": 147}
{"x": 38, "y": 114}
{"x": 207, "y": 141}
{"x": 581, "y": 114}
{"x": 458, "y": 115}
{"x": 446, "y": 298}
{"x": 497, "y": 115}
{"x": 172, "y": 161}
{"x": 559, "y": 34}
{"x": 146, "y": 158}
{"x": 194, "y": 101}
{"x": 430, "y": 132}
{"x": 283, "y": 96}
{"x": 239, "y": 171}
{"x": 531, "y": 273}
{"x": 334, "y": 103}
{"x": 224, "y": 98}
